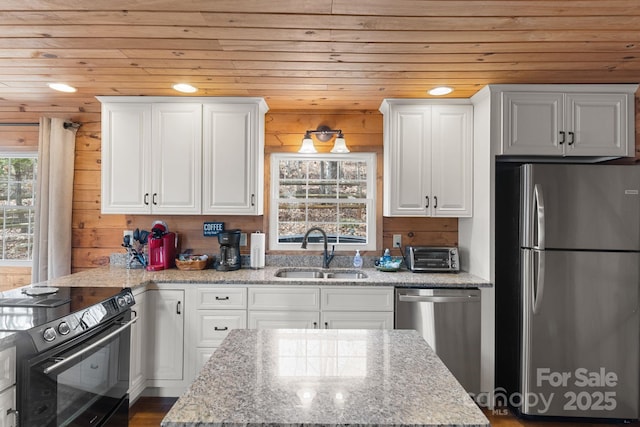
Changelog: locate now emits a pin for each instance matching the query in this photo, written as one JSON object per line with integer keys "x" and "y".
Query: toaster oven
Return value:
{"x": 432, "y": 259}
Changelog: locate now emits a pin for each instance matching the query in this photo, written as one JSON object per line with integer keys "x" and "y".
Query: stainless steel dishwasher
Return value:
{"x": 449, "y": 320}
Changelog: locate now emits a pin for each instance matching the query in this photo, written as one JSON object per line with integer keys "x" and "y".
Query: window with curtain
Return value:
{"x": 330, "y": 191}
{"x": 17, "y": 203}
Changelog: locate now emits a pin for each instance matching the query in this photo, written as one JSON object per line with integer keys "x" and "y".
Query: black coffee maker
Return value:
{"x": 229, "y": 250}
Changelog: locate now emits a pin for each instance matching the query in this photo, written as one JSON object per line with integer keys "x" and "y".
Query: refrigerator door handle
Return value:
{"x": 538, "y": 282}
{"x": 538, "y": 197}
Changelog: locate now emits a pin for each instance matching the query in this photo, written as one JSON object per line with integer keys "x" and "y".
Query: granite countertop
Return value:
{"x": 116, "y": 276}
{"x": 293, "y": 377}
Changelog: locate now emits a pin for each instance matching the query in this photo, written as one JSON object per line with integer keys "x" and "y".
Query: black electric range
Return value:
{"x": 73, "y": 350}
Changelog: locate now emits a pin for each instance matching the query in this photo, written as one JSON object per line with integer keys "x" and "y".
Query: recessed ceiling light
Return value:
{"x": 62, "y": 87}
{"x": 442, "y": 90}
{"x": 183, "y": 87}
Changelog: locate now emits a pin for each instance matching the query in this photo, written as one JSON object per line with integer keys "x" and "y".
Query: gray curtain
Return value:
{"x": 54, "y": 195}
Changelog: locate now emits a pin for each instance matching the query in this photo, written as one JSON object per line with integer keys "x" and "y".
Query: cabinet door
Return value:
{"x": 409, "y": 158}
{"x": 126, "y": 150}
{"x": 284, "y": 319}
{"x": 598, "y": 124}
{"x": 357, "y": 320}
{"x": 138, "y": 359}
{"x": 232, "y": 160}
{"x": 7, "y": 367}
{"x": 166, "y": 334}
{"x": 532, "y": 123}
{"x": 452, "y": 160}
{"x": 8, "y": 412}
{"x": 176, "y": 158}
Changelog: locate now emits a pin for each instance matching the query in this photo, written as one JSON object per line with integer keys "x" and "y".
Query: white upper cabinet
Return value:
{"x": 428, "y": 157}
{"x": 182, "y": 155}
{"x": 233, "y": 159}
{"x": 126, "y": 157}
{"x": 176, "y": 165}
{"x": 574, "y": 120}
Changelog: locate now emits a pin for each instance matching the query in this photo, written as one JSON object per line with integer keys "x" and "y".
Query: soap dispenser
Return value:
{"x": 357, "y": 260}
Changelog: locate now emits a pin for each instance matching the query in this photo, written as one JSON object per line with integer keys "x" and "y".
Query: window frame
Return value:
{"x": 371, "y": 164}
{"x": 21, "y": 262}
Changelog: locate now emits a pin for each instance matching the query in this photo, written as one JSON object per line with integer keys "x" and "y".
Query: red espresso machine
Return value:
{"x": 162, "y": 248}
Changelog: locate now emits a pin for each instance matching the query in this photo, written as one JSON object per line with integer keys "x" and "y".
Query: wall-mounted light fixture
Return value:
{"x": 323, "y": 134}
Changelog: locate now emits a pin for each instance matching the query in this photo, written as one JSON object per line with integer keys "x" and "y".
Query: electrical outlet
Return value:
{"x": 243, "y": 239}
{"x": 397, "y": 240}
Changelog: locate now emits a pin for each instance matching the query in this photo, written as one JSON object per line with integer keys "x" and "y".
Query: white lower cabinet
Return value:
{"x": 347, "y": 307}
{"x": 138, "y": 360}
{"x": 185, "y": 324}
{"x": 218, "y": 311}
{"x": 8, "y": 414}
{"x": 166, "y": 331}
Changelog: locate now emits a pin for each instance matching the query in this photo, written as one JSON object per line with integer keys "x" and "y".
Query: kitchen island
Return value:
{"x": 294, "y": 377}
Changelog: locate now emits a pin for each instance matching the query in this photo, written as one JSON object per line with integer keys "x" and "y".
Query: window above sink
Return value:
{"x": 335, "y": 192}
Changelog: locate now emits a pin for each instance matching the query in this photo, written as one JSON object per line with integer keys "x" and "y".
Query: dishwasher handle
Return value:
{"x": 435, "y": 298}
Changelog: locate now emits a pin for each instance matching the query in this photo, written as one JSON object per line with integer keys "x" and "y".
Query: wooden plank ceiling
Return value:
{"x": 307, "y": 54}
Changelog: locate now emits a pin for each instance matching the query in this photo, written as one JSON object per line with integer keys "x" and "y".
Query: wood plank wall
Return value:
{"x": 96, "y": 236}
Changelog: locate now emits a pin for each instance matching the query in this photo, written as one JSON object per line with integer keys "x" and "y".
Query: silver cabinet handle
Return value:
{"x": 90, "y": 347}
{"x": 434, "y": 298}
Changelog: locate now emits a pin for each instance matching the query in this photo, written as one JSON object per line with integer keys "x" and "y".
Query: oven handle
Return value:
{"x": 90, "y": 347}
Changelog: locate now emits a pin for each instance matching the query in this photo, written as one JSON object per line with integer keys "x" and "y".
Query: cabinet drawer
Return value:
{"x": 221, "y": 298}
{"x": 357, "y": 299}
{"x": 202, "y": 357}
{"x": 7, "y": 367}
{"x": 299, "y": 299}
{"x": 213, "y": 326}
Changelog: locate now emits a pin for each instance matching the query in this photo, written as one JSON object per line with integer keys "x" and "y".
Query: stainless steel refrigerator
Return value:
{"x": 567, "y": 290}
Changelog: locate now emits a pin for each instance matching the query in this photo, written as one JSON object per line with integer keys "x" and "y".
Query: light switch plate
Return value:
{"x": 397, "y": 240}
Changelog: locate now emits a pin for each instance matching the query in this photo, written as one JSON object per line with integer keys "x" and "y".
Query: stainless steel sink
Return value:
{"x": 346, "y": 275}
{"x": 300, "y": 274}
{"x": 318, "y": 274}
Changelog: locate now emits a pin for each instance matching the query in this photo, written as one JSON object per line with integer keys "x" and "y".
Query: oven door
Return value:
{"x": 81, "y": 383}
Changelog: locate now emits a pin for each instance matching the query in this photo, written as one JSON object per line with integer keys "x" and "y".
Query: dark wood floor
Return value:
{"x": 149, "y": 411}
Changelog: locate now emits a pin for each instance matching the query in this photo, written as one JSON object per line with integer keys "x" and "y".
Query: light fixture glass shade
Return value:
{"x": 62, "y": 87}
{"x": 441, "y": 90}
{"x": 340, "y": 146}
{"x": 184, "y": 87}
{"x": 307, "y": 146}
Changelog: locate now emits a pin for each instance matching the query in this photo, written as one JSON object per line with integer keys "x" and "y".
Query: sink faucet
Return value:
{"x": 326, "y": 258}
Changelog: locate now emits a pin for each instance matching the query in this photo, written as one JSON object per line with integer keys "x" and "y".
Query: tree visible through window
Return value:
{"x": 332, "y": 192}
{"x": 17, "y": 203}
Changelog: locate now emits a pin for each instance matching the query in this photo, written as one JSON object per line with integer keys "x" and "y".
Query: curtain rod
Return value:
{"x": 67, "y": 125}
